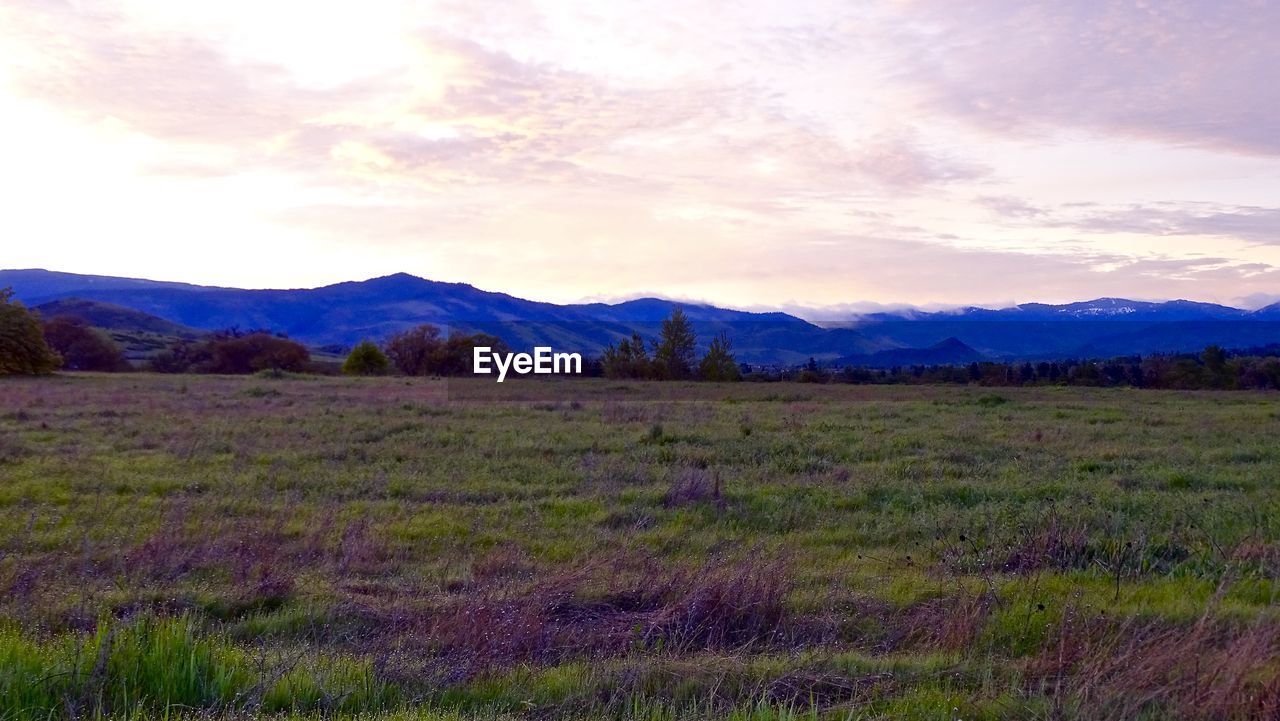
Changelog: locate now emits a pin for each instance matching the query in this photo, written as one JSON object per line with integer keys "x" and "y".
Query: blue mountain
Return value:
{"x": 344, "y": 313}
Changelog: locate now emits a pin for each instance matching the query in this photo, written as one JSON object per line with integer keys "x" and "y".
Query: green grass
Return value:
{"x": 589, "y": 549}
{"x": 163, "y": 665}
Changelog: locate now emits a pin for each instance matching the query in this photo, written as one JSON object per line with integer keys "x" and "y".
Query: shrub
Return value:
{"x": 234, "y": 355}
{"x": 627, "y": 360}
{"x": 255, "y": 352}
{"x": 23, "y": 350}
{"x": 181, "y": 357}
{"x": 366, "y": 359}
{"x": 693, "y": 485}
{"x": 458, "y": 353}
{"x": 83, "y": 348}
{"x": 417, "y": 351}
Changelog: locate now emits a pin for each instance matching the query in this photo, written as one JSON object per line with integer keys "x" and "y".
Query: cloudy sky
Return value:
{"x": 796, "y": 153}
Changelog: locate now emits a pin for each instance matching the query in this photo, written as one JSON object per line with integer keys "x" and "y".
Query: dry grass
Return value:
{"x": 1208, "y": 670}
{"x": 586, "y": 556}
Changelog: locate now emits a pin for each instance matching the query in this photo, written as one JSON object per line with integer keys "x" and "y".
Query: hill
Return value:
{"x": 109, "y": 316}
{"x": 344, "y": 313}
{"x": 951, "y": 351}
{"x": 139, "y": 334}
{"x": 339, "y": 315}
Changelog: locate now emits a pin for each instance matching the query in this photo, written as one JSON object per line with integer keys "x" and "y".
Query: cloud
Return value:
{"x": 1008, "y": 206}
{"x": 1253, "y": 224}
{"x": 507, "y": 120}
{"x": 171, "y": 86}
{"x": 817, "y": 150}
{"x": 1181, "y": 71}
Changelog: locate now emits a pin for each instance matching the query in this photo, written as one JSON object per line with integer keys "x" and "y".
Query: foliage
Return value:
{"x": 83, "y": 348}
{"x": 421, "y": 351}
{"x": 1214, "y": 368}
{"x": 459, "y": 355}
{"x": 233, "y": 353}
{"x": 366, "y": 359}
{"x": 673, "y": 355}
{"x": 719, "y": 364}
{"x": 627, "y": 360}
{"x": 418, "y": 351}
{"x": 23, "y": 349}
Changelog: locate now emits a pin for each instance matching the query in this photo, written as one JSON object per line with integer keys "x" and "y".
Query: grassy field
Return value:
{"x": 417, "y": 549}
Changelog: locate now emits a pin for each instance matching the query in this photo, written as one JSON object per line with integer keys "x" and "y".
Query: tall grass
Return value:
{"x": 876, "y": 553}
{"x": 166, "y": 665}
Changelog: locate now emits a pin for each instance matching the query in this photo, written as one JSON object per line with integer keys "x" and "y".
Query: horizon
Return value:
{"x": 811, "y": 315}
{"x": 817, "y": 155}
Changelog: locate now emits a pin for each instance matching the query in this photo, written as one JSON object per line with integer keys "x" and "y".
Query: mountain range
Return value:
{"x": 336, "y": 316}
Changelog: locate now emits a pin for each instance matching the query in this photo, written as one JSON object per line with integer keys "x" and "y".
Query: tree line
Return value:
{"x": 421, "y": 351}
{"x": 29, "y": 345}
{"x": 1212, "y": 368}
{"x": 671, "y": 356}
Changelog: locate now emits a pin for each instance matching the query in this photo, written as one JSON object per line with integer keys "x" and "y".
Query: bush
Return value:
{"x": 628, "y": 359}
{"x": 459, "y": 351}
{"x": 83, "y": 348}
{"x": 366, "y": 359}
{"x": 234, "y": 355}
{"x": 417, "y": 351}
{"x": 256, "y": 352}
{"x": 23, "y": 350}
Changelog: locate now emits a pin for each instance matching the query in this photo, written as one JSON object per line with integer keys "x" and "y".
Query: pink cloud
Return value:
{"x": 1182, "y": 71}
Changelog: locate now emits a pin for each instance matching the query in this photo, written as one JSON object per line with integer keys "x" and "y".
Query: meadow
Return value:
{"x": 396, "y": 548}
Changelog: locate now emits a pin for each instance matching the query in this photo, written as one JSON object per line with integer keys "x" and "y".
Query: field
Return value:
{"x": 422, "y": 549}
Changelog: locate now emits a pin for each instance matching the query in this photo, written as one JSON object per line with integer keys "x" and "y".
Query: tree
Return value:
{"x": 719, "y": 364}
{"x": 83, "y": 348}
{"x": 180, "y": 357}
{"x": 459, "y": 351}
{"x": 250, "y": 354}
{"x": 366, "y": 359}
{"x": 673, "y": 356}
{"x": 1215, "y": 366}
{"x": 812, "y": 373}
{"x": 417, "y": 351}
{"x": 628, "y": 360}
{"x": 23, "y": 350}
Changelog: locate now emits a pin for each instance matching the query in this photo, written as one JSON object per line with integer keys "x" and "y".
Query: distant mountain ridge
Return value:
{"x": 109, "y": 316}
{"x": 344, "y": 313}
{"x": 1097, "y": 309}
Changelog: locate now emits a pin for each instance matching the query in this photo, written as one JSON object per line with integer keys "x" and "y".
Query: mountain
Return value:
{"x": 109, "y": 316}
{"x": 1097, "y": 328}
{"x": 950, "y": 351}
{"x": 139, "y": 334}
{"x": 33, "y": 284}
{"x": 1271, "y": 312}
{"x": 343, "y": 313}
{"x": 1097, "y": 309}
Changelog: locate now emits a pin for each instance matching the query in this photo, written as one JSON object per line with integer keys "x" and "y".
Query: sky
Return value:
{"x": 819, "y": 156}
